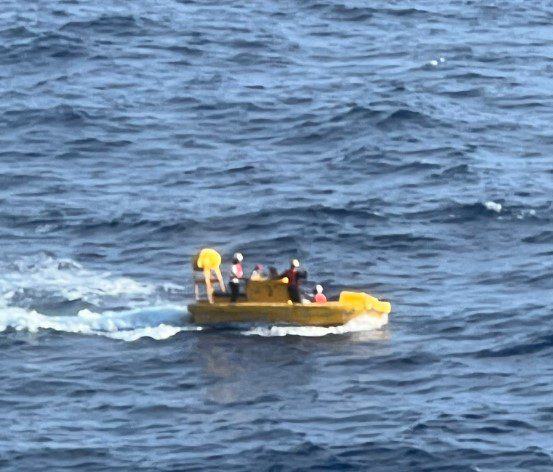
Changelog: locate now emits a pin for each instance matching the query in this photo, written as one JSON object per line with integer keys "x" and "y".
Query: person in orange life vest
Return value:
{"x": 236, "y": 273}
{"x": 293, "y": 281}
{"x": 318, "y": 295}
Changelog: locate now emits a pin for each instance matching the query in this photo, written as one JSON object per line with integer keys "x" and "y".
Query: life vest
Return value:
{"x": 236, "y": 273}
{"x": 320, "y": 298}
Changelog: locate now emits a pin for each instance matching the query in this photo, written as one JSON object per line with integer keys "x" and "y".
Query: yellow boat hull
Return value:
{"x": 350, "y": 306}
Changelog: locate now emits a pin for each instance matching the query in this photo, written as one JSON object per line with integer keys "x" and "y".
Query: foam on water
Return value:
{"x": 362, "y": 323}
{"x": 158, "y": 333}
{"x": 66, "y": 278}
{"x": 493, "y": 206}
{"x": 156, "y": 322}
{"x": 35, "y": 277}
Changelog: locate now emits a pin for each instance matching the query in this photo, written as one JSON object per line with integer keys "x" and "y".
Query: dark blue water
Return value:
{"x": 401, "y": 148}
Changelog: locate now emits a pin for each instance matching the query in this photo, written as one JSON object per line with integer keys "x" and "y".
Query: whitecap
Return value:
{"x": 493, "y": 206}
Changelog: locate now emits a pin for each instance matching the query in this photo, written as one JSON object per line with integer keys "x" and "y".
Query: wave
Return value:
{"x": 158, "y": 323}
{"x": 530, "y": 346}
{"x": 268, "y": 221}
{"x": 458, "y": 212}
{"x": 459, "y": 171}
{"x": 404, "y": 115}
{"x": 344, "y": 12}
{"x": 30, "y": 277}
{"x": 356, "y": 113}
{"x": 43, "y": 47}
{"x": 63, "y": 115}
{"x": 469, "y": 92}
{"x": 543, "y": 237}
{"x": 117, "y": 25}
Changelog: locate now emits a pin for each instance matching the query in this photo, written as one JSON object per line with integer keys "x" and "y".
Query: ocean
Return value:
{"x": 402, "y": 148}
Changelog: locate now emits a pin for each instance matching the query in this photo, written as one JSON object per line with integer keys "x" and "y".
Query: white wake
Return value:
{"x": 357, "y": 325}
{"x": 156, "y": 323}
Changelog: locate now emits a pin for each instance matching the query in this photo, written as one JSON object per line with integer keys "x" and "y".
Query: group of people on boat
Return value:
{"x": 208, "y": 262}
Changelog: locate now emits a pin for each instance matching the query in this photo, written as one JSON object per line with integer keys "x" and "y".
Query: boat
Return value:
{"x": 267, "y": 301}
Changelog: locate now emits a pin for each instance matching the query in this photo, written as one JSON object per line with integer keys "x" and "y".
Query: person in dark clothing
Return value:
{"x": 293, "y": 275}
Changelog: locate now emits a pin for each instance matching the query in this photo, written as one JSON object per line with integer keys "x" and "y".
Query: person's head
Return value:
{"x": 258, "y": 267}
{"x": 318, "y": 289}
{"x": 273, "y": 272}
{"x": 294, "y": 264}
{"x": 238, "y": 257}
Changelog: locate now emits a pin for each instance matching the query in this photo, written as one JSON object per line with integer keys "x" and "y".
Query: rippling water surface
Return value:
{"x": 402, "y": 148}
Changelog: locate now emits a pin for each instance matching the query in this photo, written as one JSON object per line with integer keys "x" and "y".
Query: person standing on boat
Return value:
{"x": 236, "y": 273}
{"x": 293, "y": 276}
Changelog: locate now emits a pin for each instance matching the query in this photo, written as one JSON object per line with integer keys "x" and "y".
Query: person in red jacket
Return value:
{"x": 318, "y": 295}
{"x": 293, "y": 281}
{"x": 236, "y": 273}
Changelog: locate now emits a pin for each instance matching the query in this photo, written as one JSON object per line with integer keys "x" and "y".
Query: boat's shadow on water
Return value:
{"x": 248, "y": 369}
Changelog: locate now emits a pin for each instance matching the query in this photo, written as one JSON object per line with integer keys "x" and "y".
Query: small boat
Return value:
{"x": 267, "y": 301}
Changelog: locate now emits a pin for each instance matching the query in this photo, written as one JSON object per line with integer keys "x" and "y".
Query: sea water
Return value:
{"x": 400, "y": 148}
